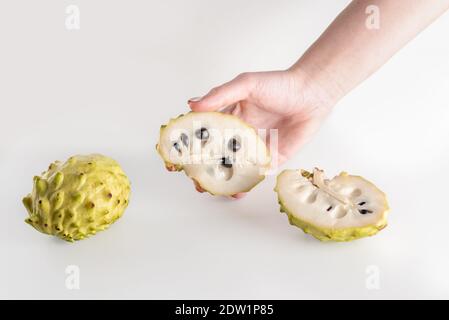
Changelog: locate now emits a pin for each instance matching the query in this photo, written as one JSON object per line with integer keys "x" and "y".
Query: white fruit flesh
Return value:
{"x": 332, "y": 207}
{"x": 202, "y": 160}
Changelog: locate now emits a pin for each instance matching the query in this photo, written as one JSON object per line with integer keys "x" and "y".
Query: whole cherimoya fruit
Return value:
{"x": 344, "y": 208}
{"x": 222, "y": 154}
{"x": 78, "y": 198}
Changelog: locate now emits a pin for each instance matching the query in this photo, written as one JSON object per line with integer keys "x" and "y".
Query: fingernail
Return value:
{"x": 196, "y": 99}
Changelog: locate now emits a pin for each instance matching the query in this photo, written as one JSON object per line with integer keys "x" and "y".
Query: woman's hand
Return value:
{"x": 281, "y": 100}
{"x": 296, "y": 101}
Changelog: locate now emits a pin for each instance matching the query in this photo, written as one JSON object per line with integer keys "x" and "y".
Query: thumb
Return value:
{"x": 225, "y": 95}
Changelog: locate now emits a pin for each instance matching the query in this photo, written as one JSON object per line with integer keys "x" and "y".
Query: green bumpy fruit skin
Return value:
{"x": 339, "y": 235}
{"x": 78, "y": 198}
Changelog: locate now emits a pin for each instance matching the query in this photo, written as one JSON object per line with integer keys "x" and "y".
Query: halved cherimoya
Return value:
{"x": 220, "y": 152}
{"x": 344, "y": 208}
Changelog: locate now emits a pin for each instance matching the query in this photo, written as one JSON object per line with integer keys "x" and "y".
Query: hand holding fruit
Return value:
{"x": 283, "y": 100}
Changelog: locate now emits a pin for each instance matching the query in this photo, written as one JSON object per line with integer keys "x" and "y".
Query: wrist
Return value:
{"x": 320, "y": 88}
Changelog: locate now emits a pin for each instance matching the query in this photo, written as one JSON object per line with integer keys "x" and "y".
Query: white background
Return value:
{"x": 133, "y": 64}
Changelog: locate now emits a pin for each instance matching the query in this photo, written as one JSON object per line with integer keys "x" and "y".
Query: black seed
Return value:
{"x": 364, "y": 211}
{"x": 45, "y": 225}
{"x": 90, "y": 163}
{"x": 177, "y": 147}
{"x": 329, "y": 209}
{"x": 185, "y": 140}
{"x": 226, "y": 162}
{"x": 40, "y": 201}
{"x": 234, "y": 145}
{"x": 362, "y": 203}
{"x": 118, "y": 201}
{"x": 109, "y": 195}
{"x": 202, "y": 134}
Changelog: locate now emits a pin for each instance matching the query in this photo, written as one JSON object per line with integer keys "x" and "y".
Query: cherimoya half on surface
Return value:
{"x": 344, "y": 208}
